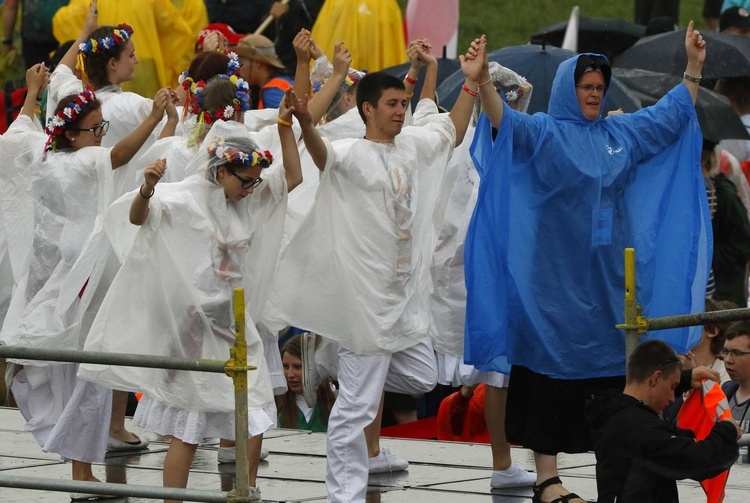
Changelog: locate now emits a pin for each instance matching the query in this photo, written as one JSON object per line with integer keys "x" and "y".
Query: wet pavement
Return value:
{"x": 295, "y": 470}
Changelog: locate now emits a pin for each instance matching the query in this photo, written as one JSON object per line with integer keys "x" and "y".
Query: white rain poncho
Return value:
{"x": 70, "y": 192}
{"x": 355, "y": 270}
{"x": 173, "y": 293}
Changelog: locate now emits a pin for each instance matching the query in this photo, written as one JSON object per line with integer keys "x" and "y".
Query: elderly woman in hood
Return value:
{"x": 561, "y": 194}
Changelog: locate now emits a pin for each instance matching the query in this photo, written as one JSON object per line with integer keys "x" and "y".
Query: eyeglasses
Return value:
{"x": 247, "y": 182}
{"x": 590, "y": 87}
{"x": 736, "y": 353}
{"x": 669, "y": 361}
{"x": 97, "y": 130}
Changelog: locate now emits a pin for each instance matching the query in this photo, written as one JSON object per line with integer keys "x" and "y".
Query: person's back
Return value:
{"x": 638, "y": 455}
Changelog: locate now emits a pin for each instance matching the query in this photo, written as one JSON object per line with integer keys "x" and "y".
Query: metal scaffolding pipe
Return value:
{"x": 122, "y": 359}
{"x": 79, "y": 486}
{"x": 689, "y": 320}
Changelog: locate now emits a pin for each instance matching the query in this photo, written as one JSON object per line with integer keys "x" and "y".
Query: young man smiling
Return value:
{"x": 736, "y": 356}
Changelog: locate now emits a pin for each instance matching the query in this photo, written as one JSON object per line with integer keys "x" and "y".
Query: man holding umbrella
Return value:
{"x": 561, "y": 195}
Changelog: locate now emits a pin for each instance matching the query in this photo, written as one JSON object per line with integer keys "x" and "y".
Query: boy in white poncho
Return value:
{"x": 359, "y": 261}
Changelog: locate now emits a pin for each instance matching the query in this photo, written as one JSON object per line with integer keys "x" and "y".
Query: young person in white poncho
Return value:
{"x": 198, "y": 240}
{"x": 359, "y": 262}
{"x": 448, "y": 296}
{"x": 67, "y": 177}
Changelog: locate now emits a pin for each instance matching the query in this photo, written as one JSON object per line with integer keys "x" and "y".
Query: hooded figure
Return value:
{"x": 561, "y": 196}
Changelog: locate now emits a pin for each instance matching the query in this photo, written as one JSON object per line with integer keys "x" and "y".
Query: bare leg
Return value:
{"x": 254, "y": 445}
{"x": 546, "y": 468}
{"x": 177, "y": 464}
{"x": 117, "y": 423}
{"x": 82, "y": 471}
{"x": 223, "y": 442}
{"x": 494, "y": 415}
{"x": 372, "y": 432}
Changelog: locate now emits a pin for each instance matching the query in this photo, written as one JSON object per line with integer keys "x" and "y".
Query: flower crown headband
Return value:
{"x": 234, "y": 155}
{"x": 240, "y": 103}
{"x": 57, "y": 123}
{"x": 190, "y": 86}
{"x": 120, "y": 35}
{"x": 352, "y": 79}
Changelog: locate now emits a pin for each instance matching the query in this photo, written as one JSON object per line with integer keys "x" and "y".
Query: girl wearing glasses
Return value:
{"x": 197, "y": 240}
{"x": 63, "y": 183}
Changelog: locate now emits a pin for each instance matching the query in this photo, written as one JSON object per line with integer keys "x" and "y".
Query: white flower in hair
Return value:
{"x": 511, "y": 96}
{"x": 68, "y": 112}
{"x": 106, "y": 42}
{"x": 58, "y": 121}
{"x": 228, "y": 112}
{"x": 243, "y": 157}
{"x": 82, "y": 46}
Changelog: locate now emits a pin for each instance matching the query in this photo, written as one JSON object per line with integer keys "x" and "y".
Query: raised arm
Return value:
{"x": 289, "y": 152}
{"x": 314, "y": 143}
{"x": 318, "y": 105}
{"x": 126, "y": 148}
{"x": 472, "y": 66}
{"x": 491, "y": 101}
{"x": 37, "y": 78}
{"x": 302, "y": 43}
{"x": 420, "y": 53}
{"x": 152, "y": 174}
{"x": 10, "y": 13}
{"x": 695, "y": 47}
{"x": 91, "y": 23}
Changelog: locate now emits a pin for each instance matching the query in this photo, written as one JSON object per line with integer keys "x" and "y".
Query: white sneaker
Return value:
{"x": 513, "y": 476}
{"x": 387, "y": 462}
{"x": 254, "y": 494}
{"x": 229, "y": 454}
{"x": 310, "y": 376}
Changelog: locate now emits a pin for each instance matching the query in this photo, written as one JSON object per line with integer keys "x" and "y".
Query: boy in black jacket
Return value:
{"x": 638, "y": 456}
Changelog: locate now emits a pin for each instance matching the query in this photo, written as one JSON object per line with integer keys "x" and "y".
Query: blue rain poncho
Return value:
{"x": 560, "y": 198}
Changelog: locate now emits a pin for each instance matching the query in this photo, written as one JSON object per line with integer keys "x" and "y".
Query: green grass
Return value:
{"x": 511, "y": 22}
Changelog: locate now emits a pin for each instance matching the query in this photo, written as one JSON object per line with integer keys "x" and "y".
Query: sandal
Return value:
{"x": 539, "y": 489}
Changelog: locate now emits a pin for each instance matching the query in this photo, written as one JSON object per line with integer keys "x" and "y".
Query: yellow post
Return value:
{"x": 237, "y": 369}
{"x": 634, "y": 323}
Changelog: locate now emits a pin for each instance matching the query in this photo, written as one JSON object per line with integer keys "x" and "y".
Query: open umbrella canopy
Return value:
{"x": 726, "y": 55}
{"x": 717, "y": 118}
{"x": 538, "y": 65}
{"x": 603, "y": 35}
{"x": 446, "y": 68}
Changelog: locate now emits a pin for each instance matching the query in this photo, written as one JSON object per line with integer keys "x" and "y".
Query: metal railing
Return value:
{"x": 236, "y": 368}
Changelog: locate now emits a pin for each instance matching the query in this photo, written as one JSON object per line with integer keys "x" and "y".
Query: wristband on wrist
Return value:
{"x": 140, "y": 191}
{"x": 486, "y": 82}
{"x": 691, "y": 78}
{"x": 470, "y": 91}
{"x": 410, "y": 80}
{"x": 409, "y": 96}
{"x": 283, "y": 122}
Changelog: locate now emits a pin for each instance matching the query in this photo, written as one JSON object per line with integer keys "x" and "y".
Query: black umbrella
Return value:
{"x": 539, "y": 66}
{"x": 602, "y": 35}
{"x": 717, "y": 118}
{"x": 726, "y": 55}
{"x": 446, "y": 68}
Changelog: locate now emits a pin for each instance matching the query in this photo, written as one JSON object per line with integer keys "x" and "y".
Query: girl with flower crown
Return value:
{"x": 68, "y": 175}
{"x": 198, "y": 239}
{"x": 105, "y": 57}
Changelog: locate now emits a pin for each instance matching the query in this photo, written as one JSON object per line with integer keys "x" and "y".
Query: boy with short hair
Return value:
{"x": 736, "y": 355}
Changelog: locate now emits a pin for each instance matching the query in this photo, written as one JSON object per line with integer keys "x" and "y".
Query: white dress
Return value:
{"x": 173, "y": 297}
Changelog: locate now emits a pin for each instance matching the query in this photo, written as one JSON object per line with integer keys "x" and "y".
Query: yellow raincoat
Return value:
{"x": 164, "y": 34}
{"x": 372, "y": 29}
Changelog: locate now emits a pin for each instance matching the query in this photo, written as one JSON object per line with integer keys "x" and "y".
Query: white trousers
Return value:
{"x": 362, "y": 380}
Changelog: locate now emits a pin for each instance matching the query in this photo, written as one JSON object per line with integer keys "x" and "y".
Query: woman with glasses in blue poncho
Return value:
{"x": 561, "y": 195}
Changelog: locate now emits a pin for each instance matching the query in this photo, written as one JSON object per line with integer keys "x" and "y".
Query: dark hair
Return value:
{"x": 218, "y": 93}
{"x": 95, "y": 63}
{"x": 287, "y": 403}
{"x": 736, "y": 89}
{"x": 62, "y": 141}
{"x": 738, "y": 329}
{"x": 717, "y": 342}
{"x": 207, "y": 65}
{"x": 649, "y": 357}
{"x": 371, "y": 87}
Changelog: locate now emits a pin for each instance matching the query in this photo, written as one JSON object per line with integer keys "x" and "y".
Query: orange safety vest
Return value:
{"x": 278, "y": 82}
{"x": 699, "y": 413}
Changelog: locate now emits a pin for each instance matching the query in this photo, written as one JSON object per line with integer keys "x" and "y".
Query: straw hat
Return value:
{"x": 258, "y": 48}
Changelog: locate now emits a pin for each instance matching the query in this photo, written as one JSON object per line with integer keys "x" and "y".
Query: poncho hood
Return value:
{"x": 563, "y": 103}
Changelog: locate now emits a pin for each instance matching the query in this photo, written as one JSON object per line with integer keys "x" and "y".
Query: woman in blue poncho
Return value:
{"x": 561, "y": 195}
